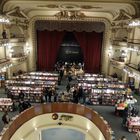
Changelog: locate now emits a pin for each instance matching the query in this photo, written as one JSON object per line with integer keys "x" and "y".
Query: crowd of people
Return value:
{"x": 127, "y": 108}
{"x": 71, "y": 93}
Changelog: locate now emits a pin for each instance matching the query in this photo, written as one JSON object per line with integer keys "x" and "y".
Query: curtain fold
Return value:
{"x": 91, "y": 44}
{"x": 48, "y": 43}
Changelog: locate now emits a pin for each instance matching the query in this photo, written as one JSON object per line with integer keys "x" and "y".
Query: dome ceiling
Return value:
{"x": 96, "y": 8}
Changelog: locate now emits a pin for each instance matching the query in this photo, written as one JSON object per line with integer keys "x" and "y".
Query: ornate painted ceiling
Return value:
{"x": 109, "y": 9}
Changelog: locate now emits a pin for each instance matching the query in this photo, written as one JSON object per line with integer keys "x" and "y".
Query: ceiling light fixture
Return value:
{"x": 4, "y": 19}
{"x": 134, "y": 23}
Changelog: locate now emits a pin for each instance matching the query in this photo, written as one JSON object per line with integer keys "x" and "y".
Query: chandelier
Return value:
{"x": 3, "y": 18}
{"x": 4, "y": 43}
{"x": 134, "y": 23}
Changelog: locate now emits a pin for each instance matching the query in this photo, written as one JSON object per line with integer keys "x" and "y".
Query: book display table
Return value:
{"x": 32, "y": 85}
{"x": 105, "y": 91}
{"x": 133, "y": 124}
{"x": 6, "y": 104}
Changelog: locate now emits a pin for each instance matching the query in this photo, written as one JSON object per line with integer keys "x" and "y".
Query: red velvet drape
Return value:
{"x": 91, "y": 44}
{"x": 48, "y": 43}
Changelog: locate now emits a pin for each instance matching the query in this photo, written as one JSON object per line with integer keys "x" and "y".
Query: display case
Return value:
{"x": 6, "y": 104}
{"x": 93, "y": 78}
{"x": 32, "y": 94}
{"x": 43, "y": 74}
{"x": 31, "y": 84}
{"x": 106, "y": 96}
{"x": 37, "y": 76}
{"x": 105, "y": 91}
{"x": 133, "y": 124}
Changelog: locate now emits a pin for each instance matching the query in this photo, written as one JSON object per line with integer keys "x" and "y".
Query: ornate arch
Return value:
{"x": 105, "y": 44}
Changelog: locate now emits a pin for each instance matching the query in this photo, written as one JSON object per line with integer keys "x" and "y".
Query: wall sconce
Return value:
{"x": 35, "y": 128}
{"x": 27, "y": 44}
{"x": 110, "y": 51}
{"x": 10, "y": 51}
{"x": 3, "y": 69}
{"x": 27, "y": 49}
{"x": 131, "y": 73}
{"x": 123, "y": 56}
{"x": 9, "y": 45}
{"x": 124, "y": 53}
{"x": 4, "y": 43}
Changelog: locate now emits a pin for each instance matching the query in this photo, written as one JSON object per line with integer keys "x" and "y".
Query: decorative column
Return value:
{"x": 32, "y": 58}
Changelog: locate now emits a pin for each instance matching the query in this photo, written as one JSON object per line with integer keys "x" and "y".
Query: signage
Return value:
{"x": 62, "y": 117}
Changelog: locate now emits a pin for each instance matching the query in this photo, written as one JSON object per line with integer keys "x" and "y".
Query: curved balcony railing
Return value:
{"x": 133, "y": 66}
{"x": 4, "y": 60}
{"x": 4, "y": 63}
{"x": 57, "y": 107}
{"x": 117, "y": 63}
{"x": 135, "y": 42}
{"x": 18, "y": 58}
{"x": 15, "y": 39}
{"x": 119, "y": 42}
{"x": 119, "y": 60}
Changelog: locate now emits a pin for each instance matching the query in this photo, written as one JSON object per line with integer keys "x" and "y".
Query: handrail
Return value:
{"x": 133, "y": 66}
{"x": 3, "y": 60}
{"x": 61, "y": 108}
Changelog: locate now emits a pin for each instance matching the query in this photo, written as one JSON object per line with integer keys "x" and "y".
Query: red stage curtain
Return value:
{"x": 48, "y": 43}
{"x": 91, "y": 44}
